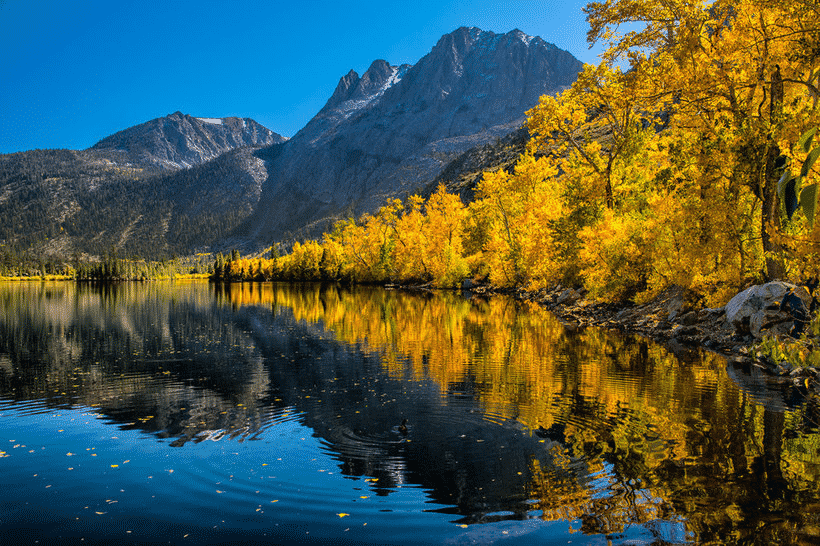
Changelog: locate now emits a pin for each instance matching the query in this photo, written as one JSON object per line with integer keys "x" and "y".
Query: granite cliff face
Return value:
{"x": 179, "y": 141}
{"x": 394, "y": 129}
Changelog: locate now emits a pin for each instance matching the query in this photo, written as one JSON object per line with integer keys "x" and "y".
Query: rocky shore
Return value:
{"x": 776, "y": 308}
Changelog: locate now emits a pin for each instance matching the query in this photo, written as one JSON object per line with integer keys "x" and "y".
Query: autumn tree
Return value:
{"x": 736, "y": 73}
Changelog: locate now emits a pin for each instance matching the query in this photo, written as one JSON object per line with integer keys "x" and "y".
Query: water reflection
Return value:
{"x": 509, "y": 415}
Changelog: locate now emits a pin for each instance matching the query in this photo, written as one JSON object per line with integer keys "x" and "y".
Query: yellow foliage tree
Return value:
{"x": 740, "y": 74}
{"x": 518, "y": 212}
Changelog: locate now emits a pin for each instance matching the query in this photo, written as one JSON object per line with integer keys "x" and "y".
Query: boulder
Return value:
{"x": 776, "y": 307}
{"x": 568, "y": 297}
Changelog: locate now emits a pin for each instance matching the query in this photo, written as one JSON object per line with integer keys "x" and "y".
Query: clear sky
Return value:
{"x": 75, "y": 71}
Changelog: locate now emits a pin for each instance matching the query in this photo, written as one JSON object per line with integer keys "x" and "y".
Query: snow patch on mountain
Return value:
{"x": 351, "y": 106}
{"x": 526, "y": 38}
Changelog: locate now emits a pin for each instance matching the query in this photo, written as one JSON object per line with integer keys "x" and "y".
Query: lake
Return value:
{"x": 187, "y": 413}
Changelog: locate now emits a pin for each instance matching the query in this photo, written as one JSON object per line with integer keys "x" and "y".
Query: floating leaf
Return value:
{"x": 342, "y": 514}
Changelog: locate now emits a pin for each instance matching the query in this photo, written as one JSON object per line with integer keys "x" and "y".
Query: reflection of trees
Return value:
{"x": 573, "y": 425}
{"x": 673, "y": 439}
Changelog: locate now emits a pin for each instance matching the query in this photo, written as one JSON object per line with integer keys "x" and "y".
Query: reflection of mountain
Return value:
{"x": 630, "y": 435}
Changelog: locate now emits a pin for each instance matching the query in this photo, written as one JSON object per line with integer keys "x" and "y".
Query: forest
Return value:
{"x": 686, "y": 156}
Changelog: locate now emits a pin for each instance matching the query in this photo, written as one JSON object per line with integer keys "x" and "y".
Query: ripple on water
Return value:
{"x": 27, "y": 407}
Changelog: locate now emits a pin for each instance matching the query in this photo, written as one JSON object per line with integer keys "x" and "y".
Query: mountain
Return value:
{"x": 394, "y": 129}
{"x": 178, "y": 141}
{"x": 182, "y": 184}
{"x": 172, "y": 185}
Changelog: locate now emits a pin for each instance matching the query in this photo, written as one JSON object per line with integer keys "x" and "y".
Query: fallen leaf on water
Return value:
{"x": 342, "y": 514}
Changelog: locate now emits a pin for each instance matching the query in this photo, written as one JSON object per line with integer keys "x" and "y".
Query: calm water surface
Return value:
{"x": 195, "y": 413}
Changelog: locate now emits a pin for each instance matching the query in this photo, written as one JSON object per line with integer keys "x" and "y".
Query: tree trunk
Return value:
{"x": 770, "y": 216}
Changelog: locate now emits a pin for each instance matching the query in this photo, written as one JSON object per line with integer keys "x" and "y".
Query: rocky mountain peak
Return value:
{"x": 375, "y": 81}
{"x": 375, "y": 78}
{"x": 178, "y": 140}
{"x": 389, "y": 132}
{"x": 393, "y": 130}
{"x": 343, "y": 90}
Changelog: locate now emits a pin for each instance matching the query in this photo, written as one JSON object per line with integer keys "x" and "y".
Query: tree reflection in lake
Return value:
{"x": 510, "y": 415}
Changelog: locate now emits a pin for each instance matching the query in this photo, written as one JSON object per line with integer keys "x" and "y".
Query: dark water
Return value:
{"x": 197, "y": 413}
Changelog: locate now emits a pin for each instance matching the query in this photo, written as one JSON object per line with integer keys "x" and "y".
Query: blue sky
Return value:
{"x": 75, "y": 71}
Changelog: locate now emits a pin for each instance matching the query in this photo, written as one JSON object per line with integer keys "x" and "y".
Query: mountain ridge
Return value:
{"x": 183, "y": 184}
{"x": 179, "y": 140}
{"x": 138, "y": 191}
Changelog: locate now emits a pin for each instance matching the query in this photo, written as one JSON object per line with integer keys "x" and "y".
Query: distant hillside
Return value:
{"x": 130, "y": 192}
{"x": 462, "y": 174}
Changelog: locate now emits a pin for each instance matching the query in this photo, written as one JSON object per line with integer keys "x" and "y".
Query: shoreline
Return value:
{"x": 665, "y": 320}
